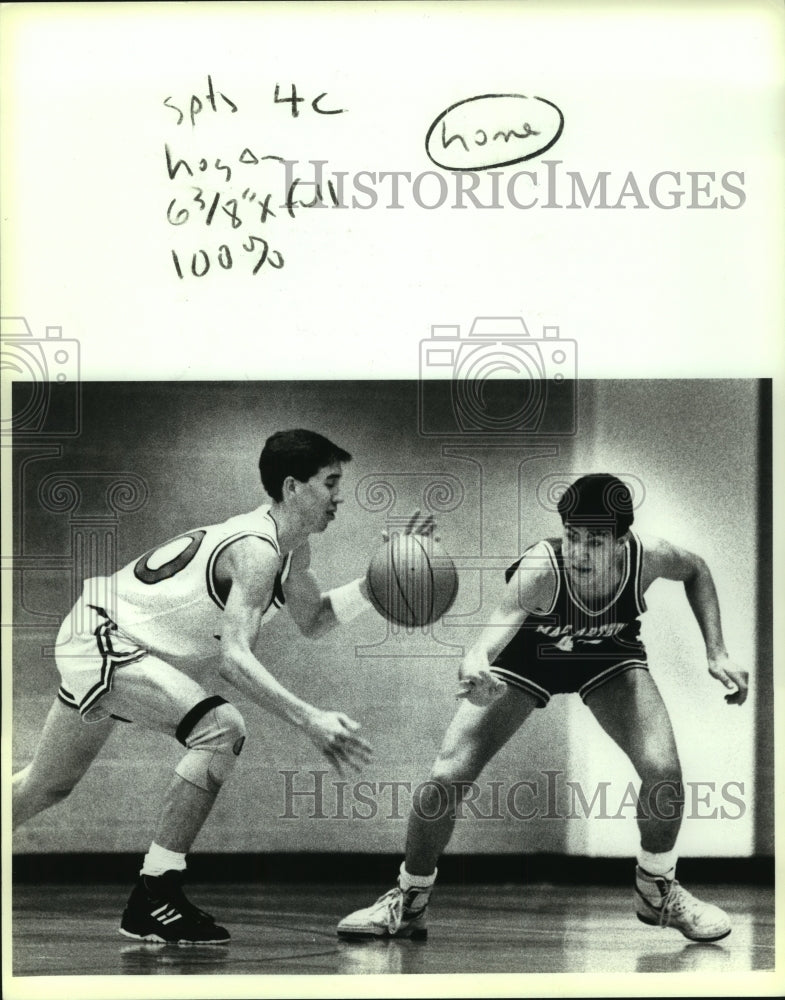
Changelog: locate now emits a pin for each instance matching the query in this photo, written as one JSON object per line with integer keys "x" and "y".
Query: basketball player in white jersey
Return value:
{"x": 568, "y": 623}
{"x": 124, "y": 653}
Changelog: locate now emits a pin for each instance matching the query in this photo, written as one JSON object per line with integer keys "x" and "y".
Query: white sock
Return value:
{"x": 663, "y": 865}
{"x": 407, "y": 881}
{"x": 159, "y": 860}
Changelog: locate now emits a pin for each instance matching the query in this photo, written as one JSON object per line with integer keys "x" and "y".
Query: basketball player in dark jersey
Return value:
{"x": 569, "y": 622}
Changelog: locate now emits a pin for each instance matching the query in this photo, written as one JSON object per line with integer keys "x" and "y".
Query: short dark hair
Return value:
{"x": 297, "y": 453}
{"x": 599, "y": 500}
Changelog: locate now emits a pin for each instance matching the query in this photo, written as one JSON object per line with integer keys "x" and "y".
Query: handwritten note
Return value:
{"x": 232, "y": 211}
{"x": 493, "y": 130}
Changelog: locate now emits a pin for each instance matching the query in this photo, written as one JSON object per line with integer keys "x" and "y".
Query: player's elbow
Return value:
{"x": 309, "y": 627}
{"x": 233, "y": 655}
{"x": 697, "y": 570}
{"x": 313, "y": 624}
{"x": 227, "y": 669}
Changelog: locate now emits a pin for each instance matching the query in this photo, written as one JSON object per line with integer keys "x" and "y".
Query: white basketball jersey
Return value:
{"x": 170, "y": 602}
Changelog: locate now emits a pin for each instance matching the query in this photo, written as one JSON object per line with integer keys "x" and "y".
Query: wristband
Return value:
{"x": 348, "y": 601}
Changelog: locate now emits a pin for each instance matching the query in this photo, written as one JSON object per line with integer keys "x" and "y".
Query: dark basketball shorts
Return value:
{"x": 545, "y": 675}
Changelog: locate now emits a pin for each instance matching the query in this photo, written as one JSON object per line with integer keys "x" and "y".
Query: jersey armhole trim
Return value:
{"x": 640, "y": 601}
{"x": 212, "y": 583}
{"x": 556, "y": 575}
{"x": 282, "y": 577}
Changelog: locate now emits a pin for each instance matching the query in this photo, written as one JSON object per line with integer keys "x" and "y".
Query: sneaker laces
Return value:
{"x": 678, "y": 902}
{"x": 391, "y": 905}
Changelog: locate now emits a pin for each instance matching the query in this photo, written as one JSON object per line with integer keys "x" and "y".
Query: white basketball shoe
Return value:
{"x": 396, "y": 914}
{"x": 663, "y": 901}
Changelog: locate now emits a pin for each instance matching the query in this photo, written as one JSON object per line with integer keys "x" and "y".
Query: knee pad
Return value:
{"x": 214, "y": 732}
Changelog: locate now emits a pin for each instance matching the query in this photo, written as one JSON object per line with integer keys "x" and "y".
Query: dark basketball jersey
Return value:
{"x": 571, "y": 629}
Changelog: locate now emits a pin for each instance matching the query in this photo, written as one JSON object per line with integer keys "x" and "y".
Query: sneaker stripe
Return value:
{"x": 166, "y": 913}
{"x": 158, "y": 911}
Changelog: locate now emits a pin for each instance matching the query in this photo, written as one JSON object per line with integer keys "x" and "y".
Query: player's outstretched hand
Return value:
{"x": 334, "y": 734}
{"x": 419, "y": 524}
{"x": 476, "y": 684}
{"x": 727, "y": 673}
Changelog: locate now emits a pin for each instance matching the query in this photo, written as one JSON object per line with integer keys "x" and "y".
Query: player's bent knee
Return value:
{"x": 48, "y": 792}
{"x": 214, "y": 732}
{"x": 57, "y": 794}
{"x": 454, "y": 770}
{"x": 660, "y": 769}
{"x": 461, "y": 762}
{"x": 30, "y": 797}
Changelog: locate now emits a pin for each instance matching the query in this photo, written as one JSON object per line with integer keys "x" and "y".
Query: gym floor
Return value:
{"x": 71, "y": 930}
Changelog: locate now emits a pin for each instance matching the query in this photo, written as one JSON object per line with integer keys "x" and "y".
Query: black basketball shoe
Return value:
{"x": 158, "y": 911}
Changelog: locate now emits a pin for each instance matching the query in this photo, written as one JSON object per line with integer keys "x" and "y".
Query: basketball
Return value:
{"x": 411, "y": 580}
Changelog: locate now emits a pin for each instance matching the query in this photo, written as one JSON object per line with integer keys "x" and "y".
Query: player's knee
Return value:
{"x": 455, "y": 770}
{"x": 30, "y": 797}
{"x": 57, "y": 793}
{"x": 214, "y": 733}
{"x": 48, "y": 793}
{"x": 659, "y": 767}
{"x": 460, "y": 761}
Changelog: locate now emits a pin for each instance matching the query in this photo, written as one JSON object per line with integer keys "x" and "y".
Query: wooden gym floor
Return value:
{"x": 71, "y": 930}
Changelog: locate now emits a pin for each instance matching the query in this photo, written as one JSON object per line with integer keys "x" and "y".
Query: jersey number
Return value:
{"x": 143, "y": 572}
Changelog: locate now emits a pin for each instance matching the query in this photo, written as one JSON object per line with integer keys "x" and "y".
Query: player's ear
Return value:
{"x": 289, "y": 487}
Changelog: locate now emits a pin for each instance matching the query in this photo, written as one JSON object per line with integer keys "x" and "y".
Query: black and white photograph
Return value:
{"x": 480, "y": 637}
{"x": 390, "y": 467}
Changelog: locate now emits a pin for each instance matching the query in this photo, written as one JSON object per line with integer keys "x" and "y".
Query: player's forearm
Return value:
{"x": 319, "y": 620}
{"x": 491, "y": 642}
{"x": 347, "y": 602}
{"x": 475, "y": 661}
{"x": 702, "y": 596}
{"x": 503, "y": 625}
{"x": 241, "y": 669}
{"x": 485, "y": 650}
{"x": 316, "y": 616}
